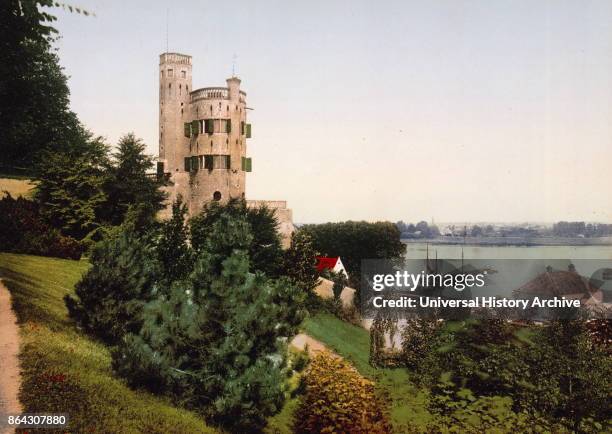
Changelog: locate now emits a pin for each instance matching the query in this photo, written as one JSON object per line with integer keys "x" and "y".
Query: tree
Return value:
{"x": 216, "y": 340}
{"x": 34, "y": 95}
{"x": 354, "y": 241}
{"x": 265, "y": 251}
{"x": 127, "y": 182}
{"x": 476, "y": 231}
{"x": 110, "y": 297}
{"x": 70, "y": 188}
{"x": 173, "y": 252}
{"x": 299, "y": 263}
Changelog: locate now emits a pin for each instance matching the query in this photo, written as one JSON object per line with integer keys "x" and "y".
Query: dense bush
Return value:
{"x": 338, "y": 399}
{"x": 23, "y": 230}
{"x": 552, "y": 374}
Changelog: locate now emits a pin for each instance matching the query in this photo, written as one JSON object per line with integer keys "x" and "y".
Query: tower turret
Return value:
{"x": 174, "y": 109}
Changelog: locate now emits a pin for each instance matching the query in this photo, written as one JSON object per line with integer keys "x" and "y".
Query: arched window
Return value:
{"x": 217, "y": 196}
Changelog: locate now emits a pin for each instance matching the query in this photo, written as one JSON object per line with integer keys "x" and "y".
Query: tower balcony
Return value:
{"x": 208, "y": 93}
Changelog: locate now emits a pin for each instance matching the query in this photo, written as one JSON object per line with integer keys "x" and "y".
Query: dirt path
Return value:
{"x": 314, "y": 346}
{"x": 9, "y": 363}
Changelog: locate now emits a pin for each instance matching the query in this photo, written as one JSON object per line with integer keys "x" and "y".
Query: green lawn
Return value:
{"x": 64, "y": 370}
{"x": 407, "y": 403}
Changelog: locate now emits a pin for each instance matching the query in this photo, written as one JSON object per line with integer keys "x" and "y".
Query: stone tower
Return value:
{"x": 202, "y": 141}
{"x": 174, "y": 88}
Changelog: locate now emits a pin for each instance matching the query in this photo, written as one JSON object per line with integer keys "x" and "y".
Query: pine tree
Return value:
{"x": 173, "y": 252}
{"x": 265, "y": 252}
{"x": 110, "y": 297}
{"x": 127, "y": 182}
{"x": 216, "y": 341}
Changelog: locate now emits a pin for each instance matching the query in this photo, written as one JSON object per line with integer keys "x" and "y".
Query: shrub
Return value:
{"x": 23, "y": 230}
{"x": 338, "y": 399}
{"x": 554, "y": 372}
{"x": 110, "y": 297}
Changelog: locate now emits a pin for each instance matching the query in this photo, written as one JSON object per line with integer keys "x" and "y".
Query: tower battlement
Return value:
{"x": 177, "y": 58}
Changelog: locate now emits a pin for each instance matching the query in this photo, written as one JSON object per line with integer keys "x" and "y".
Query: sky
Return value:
{"x": 452, "y": 110}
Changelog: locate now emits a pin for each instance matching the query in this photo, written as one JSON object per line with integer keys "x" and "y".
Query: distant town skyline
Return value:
{"x": 467, "y": 111}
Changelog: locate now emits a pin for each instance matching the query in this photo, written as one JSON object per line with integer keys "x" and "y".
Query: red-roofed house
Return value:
{"x": 332, "y": 264}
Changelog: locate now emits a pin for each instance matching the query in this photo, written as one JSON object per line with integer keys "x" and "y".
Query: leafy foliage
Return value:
{"x": 70, "y": 190}
{"x": 299, "y": 262}
{"x": 34, "y": 95}
{"x": 87, "y": 189}
{"x": 23, "y": 230}
{"x": 354, "y": 241}
{"x": 555, "y": 374}
{"x": 338, "y": 399}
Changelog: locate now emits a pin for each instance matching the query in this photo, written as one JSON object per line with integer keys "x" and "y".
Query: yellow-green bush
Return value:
{"x": 339, "y": 400}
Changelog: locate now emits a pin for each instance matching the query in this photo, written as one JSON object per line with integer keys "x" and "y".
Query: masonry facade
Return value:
{"x": 203, "y": 141}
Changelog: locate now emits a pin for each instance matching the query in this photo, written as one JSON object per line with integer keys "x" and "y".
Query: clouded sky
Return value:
{"x": 457, "y": 110}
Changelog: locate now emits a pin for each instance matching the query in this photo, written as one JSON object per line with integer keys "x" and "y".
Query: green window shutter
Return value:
{"x": 194, "y": 127}
{"x": 243, "y": 163}
{"x": 249, "y": 166}
{"x": 228, "y": 126}
{"x": 209, "y": 126}
{"x": 160, "y": 169}
{"x": 208, "y": 162}
{"x": 248, "y": 131}
{"x": 194, "y": 164}
{"x": 187, "y": 129}
{"x": 228, "y": 162}
{"x": 187, "y": 164}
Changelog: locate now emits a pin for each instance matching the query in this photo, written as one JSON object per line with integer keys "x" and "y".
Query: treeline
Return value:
{"x": 420, "y": 230}
{"x": 354, "y": 241}
{"x": 575, "y": 229}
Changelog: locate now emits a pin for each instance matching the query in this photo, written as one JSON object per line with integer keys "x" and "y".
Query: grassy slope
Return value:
{"x": 16, "y": 187}
{"x": 64, "y": 370}
{"x": 407, "y": 402}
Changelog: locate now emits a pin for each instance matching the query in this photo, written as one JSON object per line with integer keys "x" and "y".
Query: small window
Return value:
{"x": 186, "y": 88}
{"x": 183, "y": 74}
{"x": 217, "y": 196}
{"x": 170, "y": 73}
{"x": 162, "y": 74}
